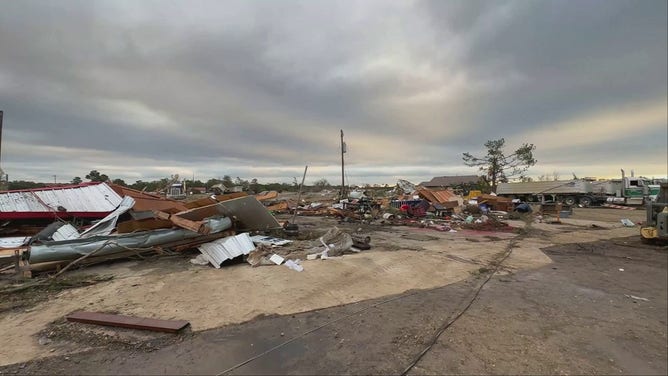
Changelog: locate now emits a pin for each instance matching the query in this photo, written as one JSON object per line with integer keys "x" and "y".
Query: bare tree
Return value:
{"x": 499, "y": 167}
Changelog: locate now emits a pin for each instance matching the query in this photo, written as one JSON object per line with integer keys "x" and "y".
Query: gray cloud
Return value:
{"x": 262, "y": 88}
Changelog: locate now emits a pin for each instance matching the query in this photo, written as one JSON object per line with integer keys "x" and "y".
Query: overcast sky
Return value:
{"x": 258, "y": 89}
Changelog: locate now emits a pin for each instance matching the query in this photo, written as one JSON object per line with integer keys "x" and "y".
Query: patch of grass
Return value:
{"x": 29, "y": 293}
{"x": 480, "y": 271}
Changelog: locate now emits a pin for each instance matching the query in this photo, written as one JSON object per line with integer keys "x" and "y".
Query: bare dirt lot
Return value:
{"x": 559, "y": 303}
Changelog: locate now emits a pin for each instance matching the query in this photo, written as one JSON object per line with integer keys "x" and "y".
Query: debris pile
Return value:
{"x": 94, "y": 223}
{"x": 58, "y": 228}
{"x": 405, "y": 204}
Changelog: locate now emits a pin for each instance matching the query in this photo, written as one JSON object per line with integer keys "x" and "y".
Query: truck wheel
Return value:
{"x": 570, "y": 201}
{"x": 585, "y": 201}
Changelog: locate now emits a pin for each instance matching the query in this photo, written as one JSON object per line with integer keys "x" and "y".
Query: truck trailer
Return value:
{"x": 625, "y": 191}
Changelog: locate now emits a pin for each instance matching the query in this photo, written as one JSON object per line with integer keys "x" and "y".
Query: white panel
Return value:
{"x": 92, "y": 198}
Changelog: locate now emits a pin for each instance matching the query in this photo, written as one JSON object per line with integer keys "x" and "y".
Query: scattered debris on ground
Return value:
{"x": 50, "y": 249}
{"x": 115, "y": 222}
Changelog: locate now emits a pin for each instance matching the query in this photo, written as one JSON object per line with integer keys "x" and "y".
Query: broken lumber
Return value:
{"x": 142, "y": 225}
{"x": 142, "y": 323}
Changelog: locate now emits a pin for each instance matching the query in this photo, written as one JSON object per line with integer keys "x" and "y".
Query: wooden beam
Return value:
{"x": 142, "y": 225}
{"x": 142, "y": 323}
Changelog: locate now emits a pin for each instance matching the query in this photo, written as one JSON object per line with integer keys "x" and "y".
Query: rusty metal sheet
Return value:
{"x": 427, "y": 195}
{"x": 445, "y": 196}
{"x": 147, "y": 202}
{"x": 143, "y": 323}
{"x": 439, "y": 196}
{"x": 264, "y": 196}
{"x": 281, "y": 206}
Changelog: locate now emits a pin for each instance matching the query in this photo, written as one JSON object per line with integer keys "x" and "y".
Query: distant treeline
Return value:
{"x": 156, "y": 185}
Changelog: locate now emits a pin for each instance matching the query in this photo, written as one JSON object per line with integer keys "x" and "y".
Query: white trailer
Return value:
{"x": 626, "y": 191}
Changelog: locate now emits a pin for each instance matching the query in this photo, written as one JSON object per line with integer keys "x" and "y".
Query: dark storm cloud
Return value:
{"x": 265, "y": 86}
{"x": 573, "y": 57}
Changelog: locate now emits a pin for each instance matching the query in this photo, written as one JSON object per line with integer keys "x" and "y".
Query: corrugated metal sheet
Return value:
{"x": 445, "y": 196}
{"x": 94, "y": 200}
{"x": 107, "y": 224}
{"x": 13, "y": 241}
{"x": 441, "y": 196}
{"x": 65, "y": 232}
{"x": 227, "y": 248}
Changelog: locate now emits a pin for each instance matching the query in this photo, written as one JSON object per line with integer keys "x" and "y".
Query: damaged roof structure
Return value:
{"x": 130, "y": 222}
{"x": 91, "y": 223}
{"x": 94, "y": 200}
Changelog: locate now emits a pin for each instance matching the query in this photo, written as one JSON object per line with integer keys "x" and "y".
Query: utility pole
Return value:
{"x": 292, "y": 229}
{"x": 4, "y": 180}
{"x": 343, "y": 179}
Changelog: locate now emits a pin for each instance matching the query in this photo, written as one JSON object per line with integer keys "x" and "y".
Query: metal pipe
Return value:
{"x": 623, "y": 190}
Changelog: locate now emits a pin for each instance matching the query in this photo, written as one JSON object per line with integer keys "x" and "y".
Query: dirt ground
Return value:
{"x": 557, "y": 305}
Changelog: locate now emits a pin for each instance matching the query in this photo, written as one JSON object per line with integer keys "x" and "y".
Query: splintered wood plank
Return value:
{"x": 142, "y": 323}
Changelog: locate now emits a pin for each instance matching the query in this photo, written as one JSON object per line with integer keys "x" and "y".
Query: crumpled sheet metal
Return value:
{"x": 107, "y": 224}
{"x": 404, "y": 187}
{"x": 228, "y": 248}
{"x": 65, "y": 232}
{"x": 248, "y": 212}
{"x": 334, "y": 241}
{"x": 73, "y": 249}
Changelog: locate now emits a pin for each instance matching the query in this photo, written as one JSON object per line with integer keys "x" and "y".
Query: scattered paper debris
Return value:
{"x": 270, "y": 240}
{"x": 636, "y": 298}
{"x": 294, "y": 265}
{"x": 628, "y": 223}
{"x": 276, "y": 259}
{"x": 201, "y": 259}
